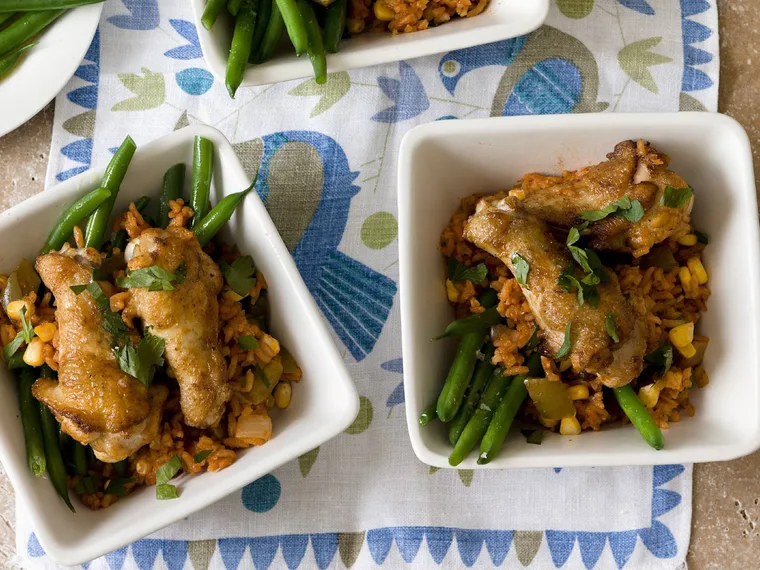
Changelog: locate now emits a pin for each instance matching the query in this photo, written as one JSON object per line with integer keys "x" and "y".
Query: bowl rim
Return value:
{"x": 422, "y": 44}
{"x": 73, "y": 554}
{"x": 568, "y": 123}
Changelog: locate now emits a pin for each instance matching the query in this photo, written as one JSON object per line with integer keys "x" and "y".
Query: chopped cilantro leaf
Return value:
{"x": 459, "y": 272}
{"x": 248, "y": 342}
{"x": 564, "y": 350}
{"x": 596, "y": 215}
{"x": 141, "y": 362}
{"x": 628, "y": 209}
{"x": 201, "y": 456}
{"x": 534, "y": 436}
{"x": 522, "y": 267}
{"x": 77, "y": 289}
{"x": 533, "y": 340}
{"x": 166, "y": 492}
{"x": 609, "y": 323}
{"x": 117, "y": 486}
{"x": 632, "y": 214}
{"x": 675, "y": 197}
{"x": 168, "y": 470}
{"x": 702, "y": 237}
{"x": 88, "y": 484}
{"x": 153, "y": 278}
{"x": 661, "y": 356}
{"x": 27, "y": 330}
{"x": 573, "y": 236}
{"x": 12, "y": 347}
{"x": 240, "y": 275}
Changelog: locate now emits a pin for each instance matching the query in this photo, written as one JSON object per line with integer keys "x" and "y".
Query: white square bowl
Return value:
{"x": 324, "y": 404}
{"x": 442, "y": 162}
{"x": 502, "y": 19}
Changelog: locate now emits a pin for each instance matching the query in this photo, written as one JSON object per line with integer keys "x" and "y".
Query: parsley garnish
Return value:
{"x": 675, "y": 197}
{"x": 564, "y": 350}
{"x": 153, "y": 278}
{"x": 141, "y": 362}
{"x": 112, "y": 322}
{"x": 661, "y": 356}
{"x": 27, "y": 330}
{"x": 240, "y": 275}
{"x": 117, "y": 486}
{"x": 12, "y": 347}
{"x": 77, "y": 289}
{"x": 164, "y": 474}
{"x": 609, "y": 323}
{"x": 248, "y": 342}
{"x": 589, "y": 261}
{"x": 88, "y": 484}
{"x": 534, "y": 436}
{"x": 522, "y": 267}
{"x": 586, "y": 287}
{"x": 201, "y": 456}
{"x": 459, "y": 272}
{"x": 702, "y": 237}
{"x": 631, "y": 210}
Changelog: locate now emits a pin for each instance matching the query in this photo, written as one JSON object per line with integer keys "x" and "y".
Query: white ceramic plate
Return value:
{"x": 442, "y": 162}
{"x": 324, "y": 404}
{"x": 47, "y": 67}
{"x": 502, "y": 19}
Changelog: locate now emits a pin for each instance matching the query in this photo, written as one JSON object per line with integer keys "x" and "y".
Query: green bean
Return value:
{"x": 262, "y": 23}
{"x": 39, "y": 5}
{"x": 219, "y": 216}
{"x": 294, "y": 24}
{"x": 8, "y": 61}
{"x": 478, "y": 424}
{"x": 242, "y": 38}
{"x": 476, "y": 322}
{"x": 640, "y": 417}
{"x": 203, "y": 167}
{"x": 30, "y": 418}
{"x": 5, "y": 17}
{"x": 74, "y": 216}
{"x": 16, "y": 361}
{"x": 211, "y": 12}
{"x": 507, "y": 410}
{"x": 335, "y": 25}
{"x": 233, "y": 6}
{"x": 483, "y": 370}
{"x": 314, "y": 45}
{"x": 113, "y": 176}
{"x": 121, "y": 468}
{"x": 26, "y": 27}
{"x": 272, "y": 36}
{"x": 79, "y": 458}
{"x": 459, "y": 376}
{"x": 428, "y": 415}
{"x": 174, "y": 182}
{"x": 55, "y": 466}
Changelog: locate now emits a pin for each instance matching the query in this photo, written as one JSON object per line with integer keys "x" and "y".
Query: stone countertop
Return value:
{"x": 726, "y": 495}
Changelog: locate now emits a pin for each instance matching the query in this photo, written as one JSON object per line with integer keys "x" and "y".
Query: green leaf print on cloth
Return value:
{"x": 149, "y": 88}
{"x": 307, "y": 460}
{"x": 575, "y": 9}
{"x": 331, "y": 92}
{"x": 636, "y": 59}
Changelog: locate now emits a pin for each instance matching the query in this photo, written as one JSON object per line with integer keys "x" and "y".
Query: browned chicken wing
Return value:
{"x": 633, "y": 169}
{"x": 503, "y": 232}
{"x": 186, "y": 318}
{"x": 93, "y": 399}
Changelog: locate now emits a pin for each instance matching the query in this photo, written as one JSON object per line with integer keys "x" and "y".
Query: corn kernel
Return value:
{"x": 687, "y": 351}
{"x": 698, "y": 270}
{"x": 565, "y": 365}
{"x": 649, "y": 395}
{"x": 230, "y": 295}
{"x": 33, "y": 355}
{"x": 14, "y": 309}
{"x": 549, "y": 424}
{"x": 688, "y": 240}
{"x": 570, "y": 426}
{"x": 451, "y": 291}
{"x": 282, "y": 394}
{"x": 579, "y": 392}
{"x": 518, "y": 193}
{"x": 354, "y": 26}
{"x": 685, "y": 276}
{"x": 682, "y": 335}
{"x": 382, "y": 11}
{"x": 45, "y": 331}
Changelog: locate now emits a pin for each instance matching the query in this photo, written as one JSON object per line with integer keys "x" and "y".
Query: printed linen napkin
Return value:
{"x": 363, "y": 500}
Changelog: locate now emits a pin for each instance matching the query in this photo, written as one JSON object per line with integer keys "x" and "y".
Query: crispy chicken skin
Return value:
{"x": 186, "y": 318}
{"x": 95, "y": 402}
{"x": 503, "y": 232}
{"x": 633, "y": 169}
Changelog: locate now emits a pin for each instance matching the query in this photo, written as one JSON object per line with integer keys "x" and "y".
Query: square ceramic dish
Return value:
{"x": 324, "y": 402}
{"x": 502, "y": 19}
{"x": 442, "y": 162}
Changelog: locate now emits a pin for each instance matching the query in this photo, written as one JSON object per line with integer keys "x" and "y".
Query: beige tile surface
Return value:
{"x": 726, "y": 495}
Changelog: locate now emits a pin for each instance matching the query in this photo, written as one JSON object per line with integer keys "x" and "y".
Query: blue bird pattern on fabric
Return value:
{"x": 143, "y": 15}
{"x": 355, "y": 298}
{"x": 407, "y": 93}
{"x": 191, "y": 50}
{"x": 640, "y": 6}
{"x": 397, "y": 396}
{"x": 694, "y": 79}
{"x": 456, "y": 64}
{"x": 657, "y": 539}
